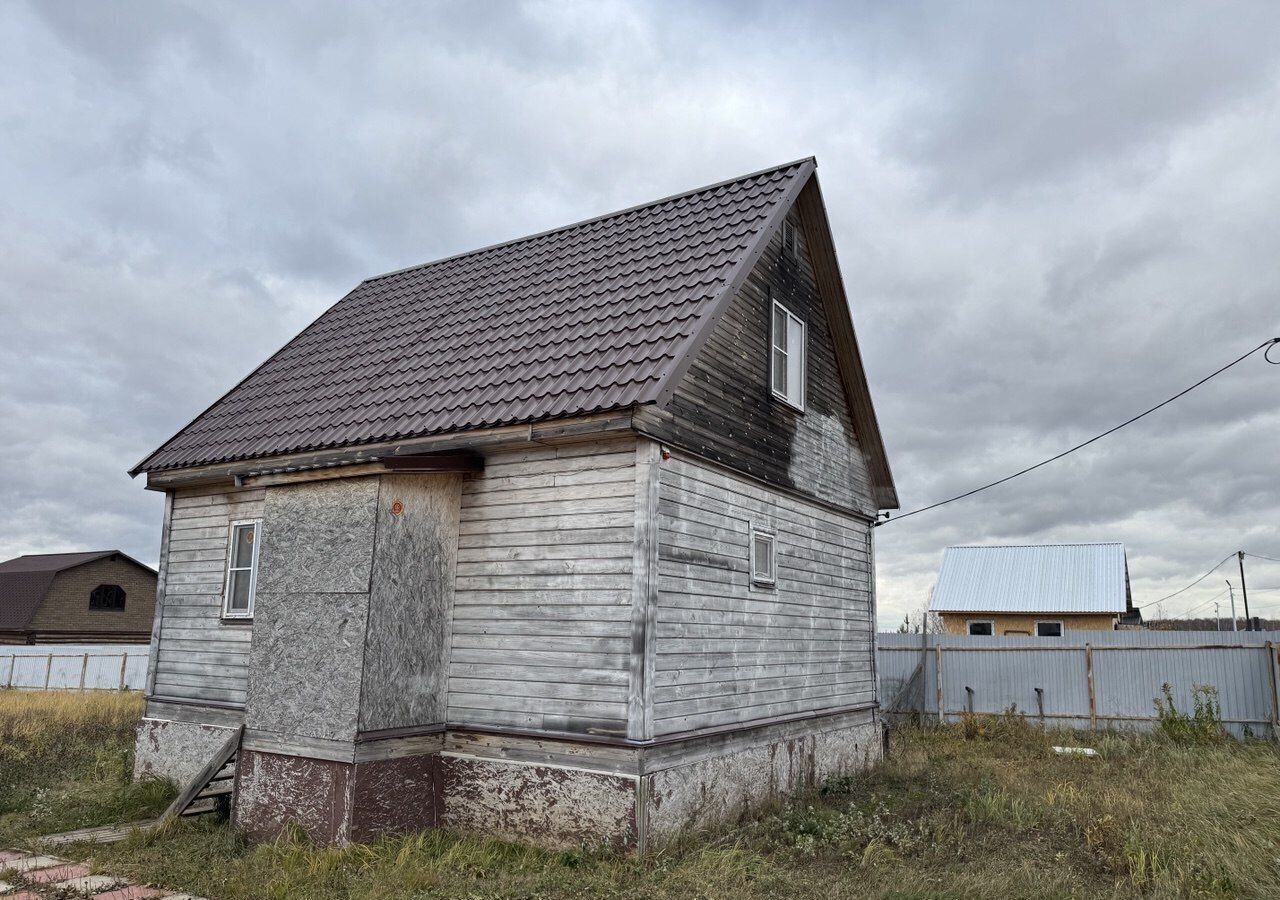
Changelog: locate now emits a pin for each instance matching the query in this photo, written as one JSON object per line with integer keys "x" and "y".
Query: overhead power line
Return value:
{"x": 1269, "y": 345}
{"x": 1260, "y": 556}
{"x": 1191, "y": 585}
{"x": 1198, "y": 606}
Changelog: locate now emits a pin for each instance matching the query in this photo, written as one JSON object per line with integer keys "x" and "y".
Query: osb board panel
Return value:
{"x": 318, "y": 537}
{"x": 1006, "y": 623}
{"x": 411, "y": 601}
{"x": 396, "y": 796}
{"x": 553, "y": 807}
{"x": 272, "y": 789}
{"x": 305, "y": 660}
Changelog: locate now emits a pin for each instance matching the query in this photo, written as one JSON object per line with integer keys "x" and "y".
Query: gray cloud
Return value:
{"x": 1048, "y": 219}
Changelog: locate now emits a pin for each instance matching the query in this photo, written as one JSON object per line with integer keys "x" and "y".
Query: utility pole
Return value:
{"x": 1217, "y": 617}
{"x": 1235, "y": 623}
{"x": 1244, "y": 589}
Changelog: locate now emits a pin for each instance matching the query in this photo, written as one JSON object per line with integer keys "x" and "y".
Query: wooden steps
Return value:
{"x": 103, "y": 834}
{"x": 212, "y": 787}
{"x": 210, "y": 791}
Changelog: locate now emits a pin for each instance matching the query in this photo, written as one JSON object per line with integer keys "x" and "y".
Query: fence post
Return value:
{"x": 937, "y": 656}
{"x": 1088, "y": 671}
{"x": 9, "y": 681}
{"x": 124, "y": 664}
{"x": 1275, "y": 701}
{"x": 48, "y": 669}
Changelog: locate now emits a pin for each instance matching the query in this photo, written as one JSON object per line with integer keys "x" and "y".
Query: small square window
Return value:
{"x": 982, "y": 629}
{"x": 764, "y": 557}
{"x": 1048, "y": 629}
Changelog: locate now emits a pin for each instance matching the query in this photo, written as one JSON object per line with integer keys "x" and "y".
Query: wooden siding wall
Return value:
{"x": 199, "y": 658}
{"x": 724, "y": 409}
{"x": 729, "y": 653}
{"x": 542, "y": 606}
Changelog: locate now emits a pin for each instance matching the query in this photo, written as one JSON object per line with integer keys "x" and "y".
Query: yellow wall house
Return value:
{"x": 1038, "y": 589}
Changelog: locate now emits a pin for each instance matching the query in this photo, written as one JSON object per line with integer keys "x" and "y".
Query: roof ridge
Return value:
{"x": 1050, "y": 544}
{"x": 65, "y": 553}
{"x": 592, "y": 219}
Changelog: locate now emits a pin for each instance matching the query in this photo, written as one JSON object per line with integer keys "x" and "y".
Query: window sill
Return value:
{"x": 236, "y": 620}
{"x": 782, "y": 398}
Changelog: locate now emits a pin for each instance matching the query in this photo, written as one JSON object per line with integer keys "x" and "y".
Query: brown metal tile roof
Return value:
{"x": 582, "y": 319}
{"x": 25, "y": 580}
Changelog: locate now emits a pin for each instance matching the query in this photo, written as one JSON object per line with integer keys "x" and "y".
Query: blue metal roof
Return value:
{"x": 1037, "y": 578}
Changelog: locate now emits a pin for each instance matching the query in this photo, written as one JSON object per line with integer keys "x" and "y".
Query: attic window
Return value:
{"x": 790, "y": 239}
{"x": 107, "y": 596}
{"x": 981, "y": 628}
{"x": 787, "y": 356}
{"x": 764, "y": 558}
{"x": 1048, "y": 629}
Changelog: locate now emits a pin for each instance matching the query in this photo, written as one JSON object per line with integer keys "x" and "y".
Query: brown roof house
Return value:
{"x": 102, "y": 596}
{"x": 568, "y": 538}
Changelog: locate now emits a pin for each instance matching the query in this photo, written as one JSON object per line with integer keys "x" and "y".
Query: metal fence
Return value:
{"x": 74, "y": 668}
{"x": 1086, "y": 679}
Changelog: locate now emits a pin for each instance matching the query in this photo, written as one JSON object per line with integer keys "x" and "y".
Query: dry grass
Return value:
{"x": 983, "y": 810}
{"x": 66, "y": 761}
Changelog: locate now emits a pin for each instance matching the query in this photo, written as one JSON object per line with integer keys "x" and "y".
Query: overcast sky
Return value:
{"x": 1048, "y": 219}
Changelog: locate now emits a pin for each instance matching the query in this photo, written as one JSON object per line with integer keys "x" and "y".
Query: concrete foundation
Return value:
{"x": 720, "y": 790}
{"x": 175, "y": 750}
{"x": 556, "y": 792}
{"x": 553, "y": 806}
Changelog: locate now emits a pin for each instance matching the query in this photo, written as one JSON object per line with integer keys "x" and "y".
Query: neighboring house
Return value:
{"x": 566, "y": 538}
{"x": 1039, "y": 589}
{"x": 102, "y": 596}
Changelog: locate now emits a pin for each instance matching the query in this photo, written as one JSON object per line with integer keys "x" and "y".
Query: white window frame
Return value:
{"x": 227, "y": 611}
{"x": 1062, "y": 628}
{"x": 796, "y": 401}
{"x": 771, "y": 578}
{"x": 971, "y": 622}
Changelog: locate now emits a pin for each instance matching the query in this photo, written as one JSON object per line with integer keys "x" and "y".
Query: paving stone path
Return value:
{"x": 36, "y": 877}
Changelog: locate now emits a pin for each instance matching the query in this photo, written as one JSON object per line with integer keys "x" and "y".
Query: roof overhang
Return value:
{"x": 457, "y": 452}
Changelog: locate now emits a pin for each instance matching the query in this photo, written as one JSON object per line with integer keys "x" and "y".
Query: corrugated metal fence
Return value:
{"x": 1084, "y": 679}
{"x": 113, "y": 667}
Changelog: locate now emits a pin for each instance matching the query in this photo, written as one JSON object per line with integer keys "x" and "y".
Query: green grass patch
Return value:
{"x": 66, "y": 761}
{"x": 982, "y": 809}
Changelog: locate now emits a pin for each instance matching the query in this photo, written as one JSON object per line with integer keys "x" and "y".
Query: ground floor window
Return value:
{"x": 985, "y": 629}
{"x": 1048, "y": 629}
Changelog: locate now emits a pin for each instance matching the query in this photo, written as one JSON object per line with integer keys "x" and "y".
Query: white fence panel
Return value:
{"x": 74, "y": 667}
{"x": 1083, "y": 679}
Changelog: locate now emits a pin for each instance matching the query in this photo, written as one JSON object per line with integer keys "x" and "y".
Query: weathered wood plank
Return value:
{"x": 543, "y": 589}
{"x": 731, "y": 651}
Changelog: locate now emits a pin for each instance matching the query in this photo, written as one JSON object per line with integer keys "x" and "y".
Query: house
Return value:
{"x": 1038, "y": 589}
{"x": 568, "y": 538}
{"x": 102, "y": 596}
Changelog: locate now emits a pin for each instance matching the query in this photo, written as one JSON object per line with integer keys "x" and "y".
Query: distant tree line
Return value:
{"x": 1208, "y": 623}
